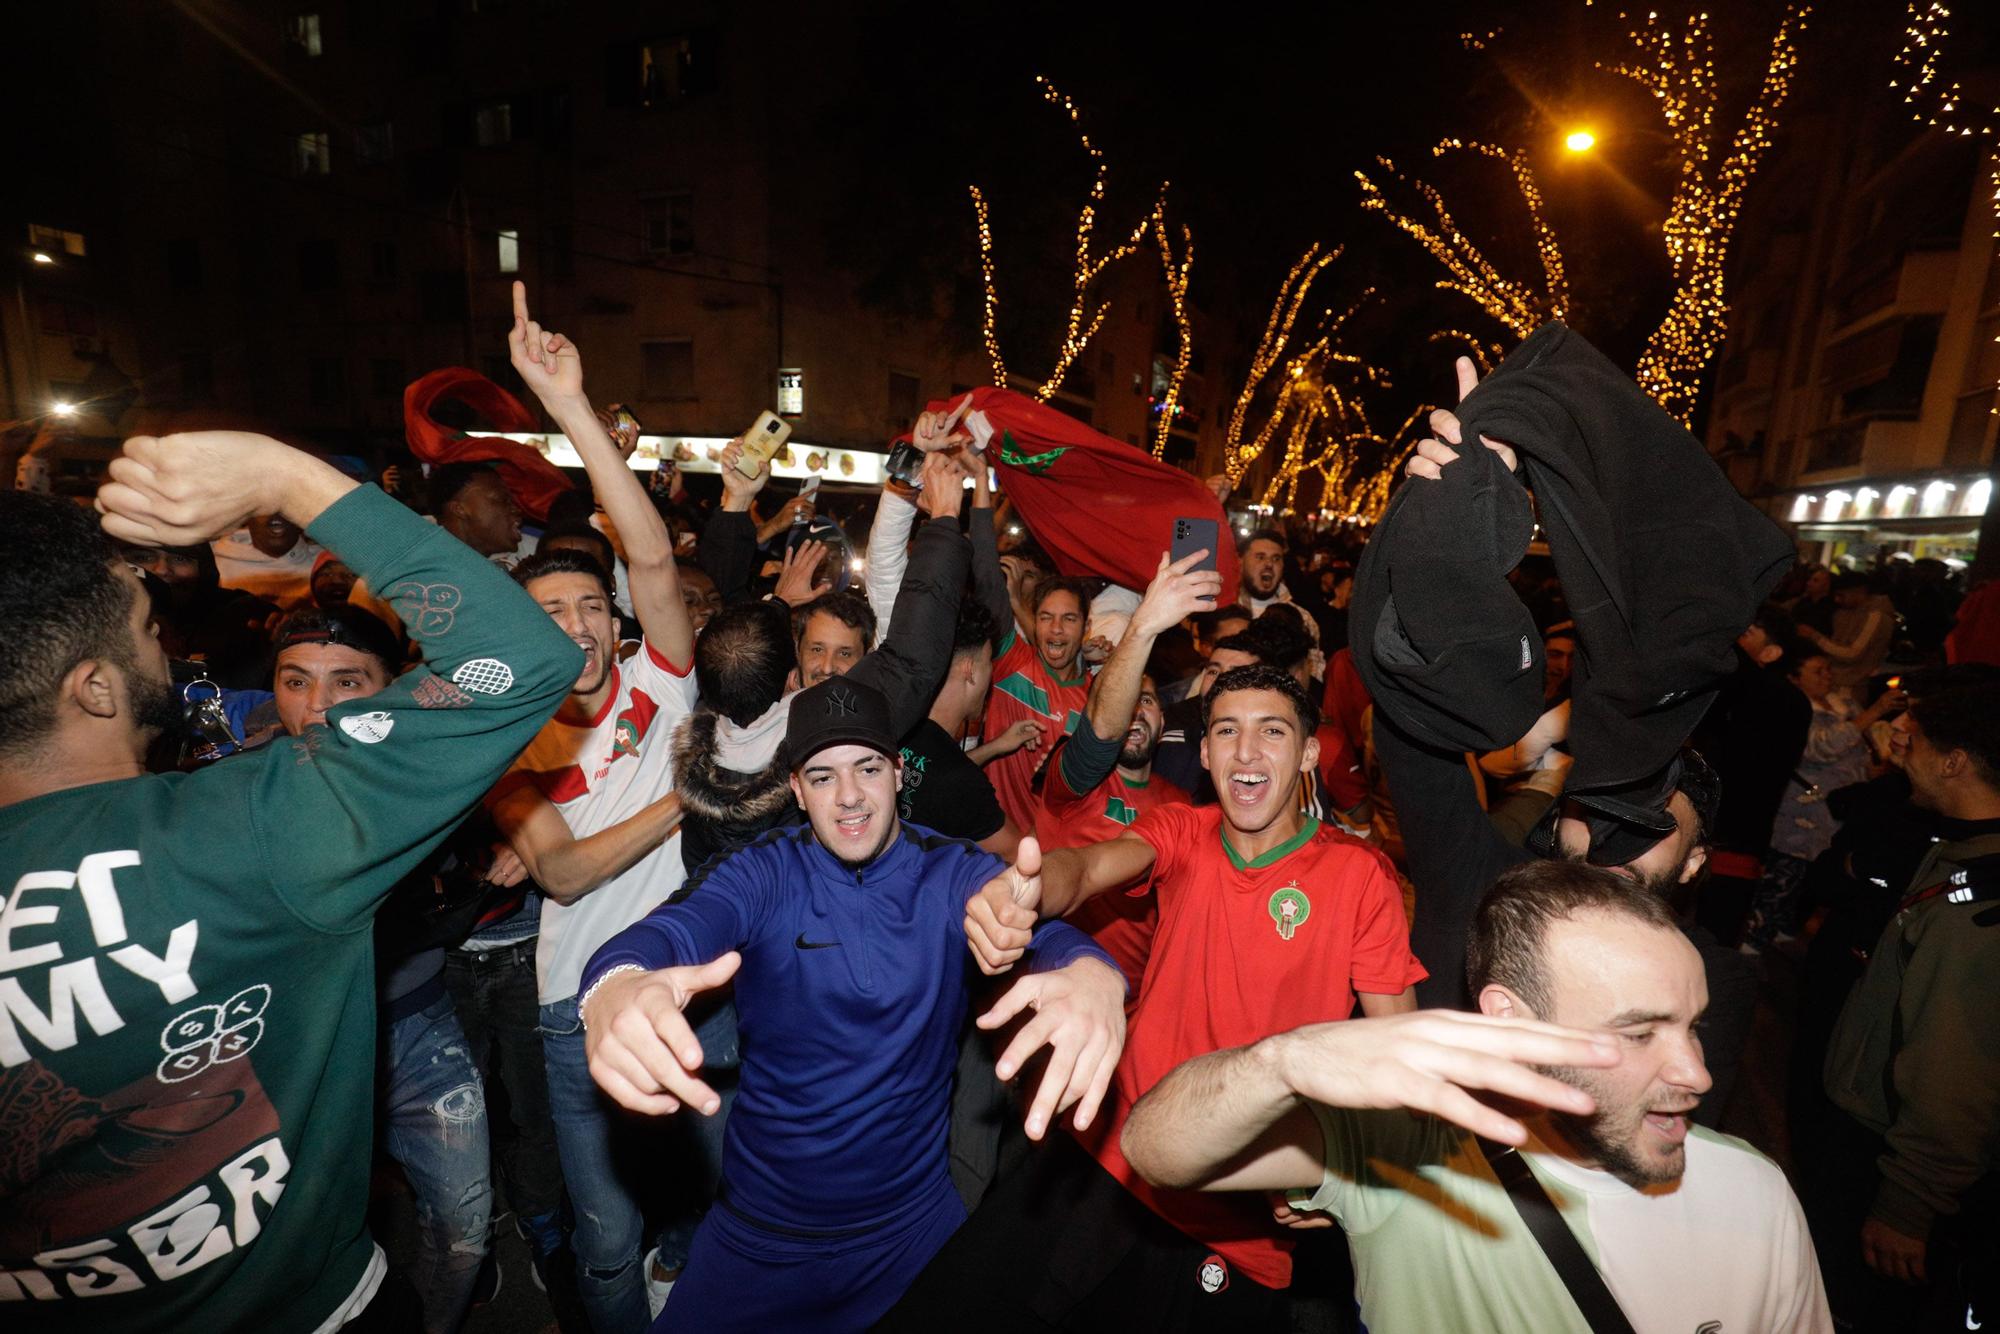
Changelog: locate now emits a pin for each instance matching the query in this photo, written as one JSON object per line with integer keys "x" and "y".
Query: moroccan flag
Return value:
{"x": 1098, "y": 506}
{"x": 534, "y": 481}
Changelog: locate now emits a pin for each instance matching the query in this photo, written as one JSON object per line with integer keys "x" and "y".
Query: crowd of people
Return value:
{"x": 779, "y": 932}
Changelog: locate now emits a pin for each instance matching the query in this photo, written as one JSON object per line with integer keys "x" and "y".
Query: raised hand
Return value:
{"x": 943, "y": 493}
{"x": 799, "y": 580}
{"x": 939, "y": 430}
{"x": 1000, "y": 919}
{"x": 547, "y": 363}
{"x": 180, "y": 490}
{"x": 624, "y": 432}
{"x": 1177, "y": 592}
{"x": 1080, "y": 1017}
{"x": 1431, "y": 456}
{"x": 736, "y": 488}
{"x": 1427, "y": 1061}
{"x": 637, "y": 1041}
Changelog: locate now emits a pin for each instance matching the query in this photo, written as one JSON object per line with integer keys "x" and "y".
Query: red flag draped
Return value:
{"x": 533, "y": 480}
{"x": 1098, "y": 506}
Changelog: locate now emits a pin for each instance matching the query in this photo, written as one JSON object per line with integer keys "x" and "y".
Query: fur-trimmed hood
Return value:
{"x": 711, "y": 792}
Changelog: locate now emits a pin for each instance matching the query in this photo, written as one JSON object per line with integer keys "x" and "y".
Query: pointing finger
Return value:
{"x": 520, "y": 300}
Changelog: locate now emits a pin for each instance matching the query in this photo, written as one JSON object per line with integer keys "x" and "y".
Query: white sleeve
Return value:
{"x": 888, "y": 555}
{"x": 1798, "y": 1296}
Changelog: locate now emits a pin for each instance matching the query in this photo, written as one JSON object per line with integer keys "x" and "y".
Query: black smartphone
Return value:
{"x": 1192, "y": 535}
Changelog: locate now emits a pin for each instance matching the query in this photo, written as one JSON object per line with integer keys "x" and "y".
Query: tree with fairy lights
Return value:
{"x": 1677, "y": 66}
{"x": 1674, "y": 63}
{"x": 1081, "y": 322}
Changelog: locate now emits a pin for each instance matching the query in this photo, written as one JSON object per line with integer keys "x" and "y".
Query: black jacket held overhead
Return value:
{"x": 1663, "y": 565}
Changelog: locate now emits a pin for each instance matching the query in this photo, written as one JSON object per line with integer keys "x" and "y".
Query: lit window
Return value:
{"x": 55, "y": 238}
{"x": 510, "y": 252}
{"x": 312, "y": 153}
{"x": 302, "y": 31}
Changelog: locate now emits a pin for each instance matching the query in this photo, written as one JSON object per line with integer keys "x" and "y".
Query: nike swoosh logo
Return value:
{"x": 805, "y": 944}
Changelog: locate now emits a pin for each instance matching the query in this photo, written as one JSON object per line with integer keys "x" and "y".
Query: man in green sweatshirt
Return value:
{"x": 187, "y": 991}
{"x": 1907, "y": 1197}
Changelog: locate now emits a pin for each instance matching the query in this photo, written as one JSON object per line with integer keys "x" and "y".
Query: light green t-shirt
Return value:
{"x": 1439, "y": 1246}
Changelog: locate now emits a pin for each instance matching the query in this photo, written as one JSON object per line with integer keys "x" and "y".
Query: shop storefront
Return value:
{"x": 1925, "y": 515}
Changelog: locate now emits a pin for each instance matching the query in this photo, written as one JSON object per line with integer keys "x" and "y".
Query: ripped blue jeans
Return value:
{"x": 434, "y": 1126}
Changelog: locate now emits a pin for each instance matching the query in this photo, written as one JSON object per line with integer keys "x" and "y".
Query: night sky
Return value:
{"x": 1258, "y": 113}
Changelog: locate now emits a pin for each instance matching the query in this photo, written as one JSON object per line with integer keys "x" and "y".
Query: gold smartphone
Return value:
{"x": 765, "y": 438}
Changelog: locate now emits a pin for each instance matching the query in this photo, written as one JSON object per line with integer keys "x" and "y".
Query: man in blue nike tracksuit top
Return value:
{"x": 846, "y": 942}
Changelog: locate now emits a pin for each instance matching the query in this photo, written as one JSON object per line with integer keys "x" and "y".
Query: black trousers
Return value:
{"x": 1060, "y": 1245}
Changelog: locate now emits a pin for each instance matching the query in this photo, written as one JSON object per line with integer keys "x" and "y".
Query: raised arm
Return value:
{"x": 550, "y": 365}
{"x": 1177, "y": 592}
{"x": 729, "y": 540}
{"x": 1239, "y": 1120}
{"x": 888, "y": 552}
{"x": 989, "y": 580}
{"x": 916, "y": 649}
{"x": 362, "y": 800}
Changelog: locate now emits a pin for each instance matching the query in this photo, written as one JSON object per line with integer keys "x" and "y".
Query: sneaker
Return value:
{"x": 487, "y": 1286}
{"x": 659, "y": 1282}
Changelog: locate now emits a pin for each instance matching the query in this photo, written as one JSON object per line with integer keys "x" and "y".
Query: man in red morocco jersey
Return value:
{"x": 1102, "y": 778}
{"x": 1268, "y": 919}
{"x": 1038, "y": 675}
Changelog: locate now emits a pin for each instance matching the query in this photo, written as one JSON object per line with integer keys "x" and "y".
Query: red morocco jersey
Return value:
{"x": 1245, "y": 950}
{"x": 1024, "y": 687}
{"x": 1122, "y": 923}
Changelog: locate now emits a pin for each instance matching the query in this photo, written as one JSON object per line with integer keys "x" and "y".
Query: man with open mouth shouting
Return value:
{"x": 1268, "y": 920}
{"x": 1687, "y": 1229}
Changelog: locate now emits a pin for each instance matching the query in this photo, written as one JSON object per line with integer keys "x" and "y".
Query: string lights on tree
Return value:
{"x": 1518, "y": 305}
{"x": 1934, "y": 104}
{"x": 1078, "y": 328}
{"x": 1676, "y": 65}
{"x": 1175, "y": 272}
{"x": 1239, "y": 454}
{"x": 1485, "y": 353}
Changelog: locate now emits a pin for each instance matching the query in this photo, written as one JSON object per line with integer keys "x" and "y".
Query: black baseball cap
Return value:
{"x": 343, "y": 626}
{"x": 837, "y": 712}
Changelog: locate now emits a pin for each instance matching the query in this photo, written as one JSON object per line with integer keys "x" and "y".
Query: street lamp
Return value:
{"x": 1580, "y": 141}
{"x": 44, "y": 257}
{"x": 62, "y": 409}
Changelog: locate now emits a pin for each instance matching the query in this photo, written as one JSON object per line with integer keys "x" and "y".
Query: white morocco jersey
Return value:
{"x": 598, "y": 774}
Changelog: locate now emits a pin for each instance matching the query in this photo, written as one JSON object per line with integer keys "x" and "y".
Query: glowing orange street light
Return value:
{"x": 1580, "y": 141}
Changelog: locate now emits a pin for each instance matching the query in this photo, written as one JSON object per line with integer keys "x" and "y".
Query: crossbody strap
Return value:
{"x": 1586, "y": 1286}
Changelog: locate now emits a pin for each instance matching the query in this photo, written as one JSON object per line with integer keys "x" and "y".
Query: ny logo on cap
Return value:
{"x": 841, "y": 702}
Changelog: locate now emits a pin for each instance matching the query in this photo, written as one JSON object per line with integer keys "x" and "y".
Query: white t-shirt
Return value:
{"x": 285, "y": 580}
{"x": 598, "y": 775}
{"x": 1438, "y": 1244}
